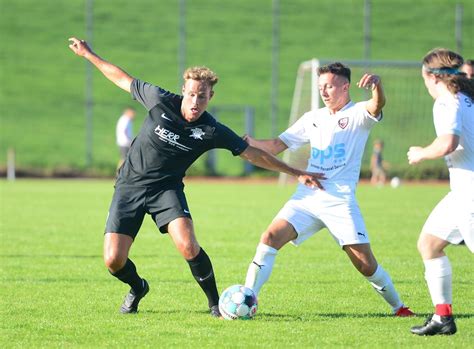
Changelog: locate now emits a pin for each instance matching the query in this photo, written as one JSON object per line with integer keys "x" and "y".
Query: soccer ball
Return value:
{"x": 238, "y": 302}
{"x": 395, "y": 182}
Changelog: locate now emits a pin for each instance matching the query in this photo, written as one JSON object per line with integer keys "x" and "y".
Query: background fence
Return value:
{"x": 43, "y": 95}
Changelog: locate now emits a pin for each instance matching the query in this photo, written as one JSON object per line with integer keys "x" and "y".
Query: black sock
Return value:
{"x": 128, "y": 274}
{"x": 201, "y": 268}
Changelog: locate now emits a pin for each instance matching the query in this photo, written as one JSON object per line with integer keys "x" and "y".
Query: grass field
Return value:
{"x": 56, "y": 293}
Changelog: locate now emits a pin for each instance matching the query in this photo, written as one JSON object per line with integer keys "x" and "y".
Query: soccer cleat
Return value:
{"x": 215, "y": 312}
{"x": 130, "y": 303}
{"x": 432, "y": 327}
{"x": 404, "y": 312}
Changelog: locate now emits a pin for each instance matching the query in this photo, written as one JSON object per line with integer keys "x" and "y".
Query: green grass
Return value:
{"x": 42, "y": 90}
{"x": 57, "y": 293}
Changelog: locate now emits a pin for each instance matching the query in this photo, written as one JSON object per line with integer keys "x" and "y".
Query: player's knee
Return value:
{"x": 114, "y": 262}
{"x": 368, "y": 268}
{"x": 273, "y": 238}
{"x": 189, "y": 250}
{"x": 420, "y": 245}
{"x": 428, "y": 247}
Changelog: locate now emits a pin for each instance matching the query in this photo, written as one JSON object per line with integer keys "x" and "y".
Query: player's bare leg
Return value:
{"x": 438, "y": 275}
{"x": 364, "y": 260}
{"x": 181, "y": 231}
{"x": 116, "y": 249}
{"x": 275, "y": 237}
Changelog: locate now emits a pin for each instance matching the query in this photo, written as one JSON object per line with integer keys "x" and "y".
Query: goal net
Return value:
{"x": 407, "y": 114}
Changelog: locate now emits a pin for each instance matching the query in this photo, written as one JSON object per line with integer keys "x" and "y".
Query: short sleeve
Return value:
{"x": 296, "y": 135}
{"x": 365, "y": 119}
{"x": 446, "y": 116}
{"x": 147, "y": 94}
{"x": 225, "y": 138}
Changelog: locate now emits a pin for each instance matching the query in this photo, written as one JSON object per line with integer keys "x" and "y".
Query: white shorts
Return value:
{"x": 452, "y": 220}
{"x": 309, "y": 212}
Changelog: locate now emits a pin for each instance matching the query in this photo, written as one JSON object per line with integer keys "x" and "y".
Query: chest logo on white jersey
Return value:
{"x": 343, "y": 123}
{"x": 197, "y": 133}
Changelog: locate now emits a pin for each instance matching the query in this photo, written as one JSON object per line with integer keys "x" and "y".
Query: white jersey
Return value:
{"x": 454, "y": 114}
{"x": 337, "y": 142}
{"x": 123, "y": 131}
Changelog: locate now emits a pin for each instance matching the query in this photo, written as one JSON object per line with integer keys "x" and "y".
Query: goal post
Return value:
{"x": 407, "y": 114}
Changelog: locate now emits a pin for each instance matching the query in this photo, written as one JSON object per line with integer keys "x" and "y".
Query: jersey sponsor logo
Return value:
{"x": 165, "y": 117}
{"x": 343, "y": 123}
{"x": 336, "y": 153}
{"x": 197, "y": 133}
{"x": 170, "y": 137}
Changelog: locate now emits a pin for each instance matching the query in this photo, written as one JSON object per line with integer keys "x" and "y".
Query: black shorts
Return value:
{"x": 131, "y": 203}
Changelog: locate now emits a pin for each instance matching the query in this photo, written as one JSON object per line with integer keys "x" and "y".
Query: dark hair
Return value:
{"x": 469, "y": 62}
{"x": 335, "y": 68}
{"x": 444, "y": 65}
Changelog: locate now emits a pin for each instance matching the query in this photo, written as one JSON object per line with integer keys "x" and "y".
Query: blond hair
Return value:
{"x": 445, "y": 65}
{"x": 201, "y": 74}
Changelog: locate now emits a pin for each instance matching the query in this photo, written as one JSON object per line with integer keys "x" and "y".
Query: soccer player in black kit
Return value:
{"x": 175, "y": 133}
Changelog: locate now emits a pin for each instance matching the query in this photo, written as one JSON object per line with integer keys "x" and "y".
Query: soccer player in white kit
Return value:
{"x": 337, "y": 135}
{"x": 124, "y": 133}
{"x": 452, "y": 220}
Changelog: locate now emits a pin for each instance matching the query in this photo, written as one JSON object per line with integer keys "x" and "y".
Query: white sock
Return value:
{"x": 383, "y": 285}
{"x": 438, "y": 276}
{"x": 261, "y": 267}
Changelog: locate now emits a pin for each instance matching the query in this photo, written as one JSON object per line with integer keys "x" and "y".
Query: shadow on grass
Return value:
{"x": 273, "y": 317}
{"x": 328, "y": 316}
{"x": 168, "y": 311}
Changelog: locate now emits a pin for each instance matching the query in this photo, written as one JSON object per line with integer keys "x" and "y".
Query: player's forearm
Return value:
{"x": 267, "y": 161}
{"x": 440, "y": 147}
{"x": 377, "y": 102}
{"x": 272, "y": 146}
{"x": 115, "y": 74}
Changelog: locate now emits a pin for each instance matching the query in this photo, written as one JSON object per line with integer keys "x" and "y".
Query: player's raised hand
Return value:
{"x": 415, "y": 155}
{"x": 311, "y": 179}
{"x": 369, "y": 81}
{"x": 79, "y": 47}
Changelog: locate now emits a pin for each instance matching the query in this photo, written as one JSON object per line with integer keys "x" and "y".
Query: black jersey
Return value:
{"x": 167, "y": 144}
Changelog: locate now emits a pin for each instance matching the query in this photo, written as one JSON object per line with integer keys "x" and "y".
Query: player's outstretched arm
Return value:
{"x": 377, "y": 102}
{"x": 118, "y": 76}
{"x": 273, "y": 146}
{"x": 441, "y": 146}
{"x": 266, "y": 160}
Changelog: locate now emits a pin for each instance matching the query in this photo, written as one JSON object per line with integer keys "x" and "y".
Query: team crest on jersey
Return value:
{"x": 197, "y": 133}
{"x": 343, "y": 122}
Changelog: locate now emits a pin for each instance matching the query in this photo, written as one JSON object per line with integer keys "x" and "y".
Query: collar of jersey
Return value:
{"x": 348, "y": 105}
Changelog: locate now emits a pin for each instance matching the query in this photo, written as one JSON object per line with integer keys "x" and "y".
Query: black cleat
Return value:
{"x": 432, "y": 327}
{"x": 130, "y": 303}
{"x": 215, "y": 312}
